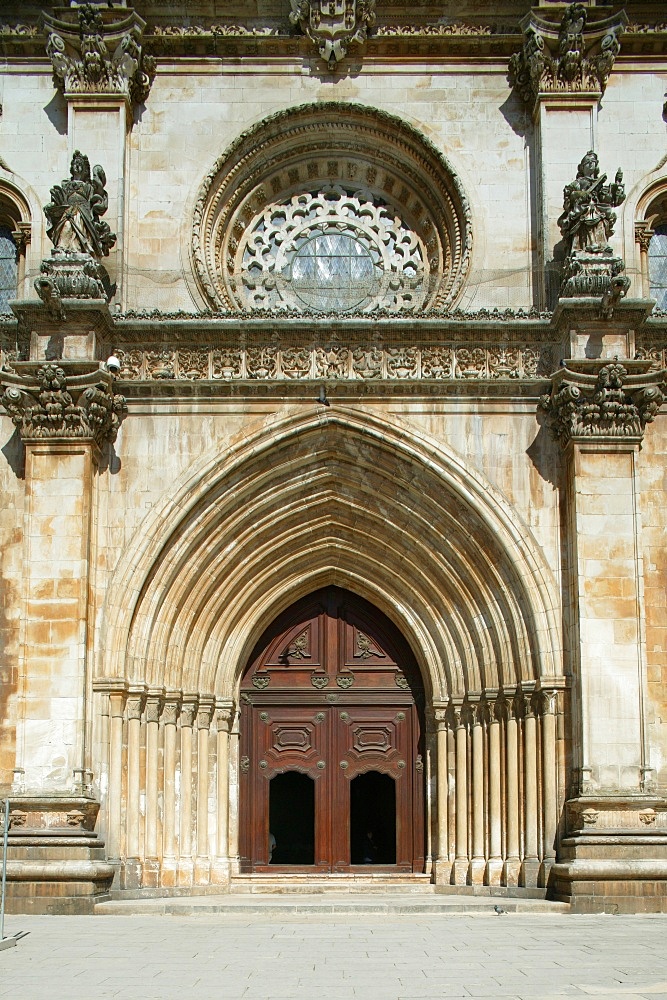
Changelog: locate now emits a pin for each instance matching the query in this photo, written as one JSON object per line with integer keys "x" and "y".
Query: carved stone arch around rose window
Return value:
{"x": 330, "y": 208}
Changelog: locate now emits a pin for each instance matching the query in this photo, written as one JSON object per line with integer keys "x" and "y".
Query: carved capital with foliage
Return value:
{"x": 597, "y": 399}
{"x": 46, "y": 403}
{"x": 100, "y": 53}
{"x": 574, "y": 56}
{"x": 334, "y": 25}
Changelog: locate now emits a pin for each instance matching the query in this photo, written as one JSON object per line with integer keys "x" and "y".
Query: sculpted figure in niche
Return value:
{"x": 588, "y": 221}
{"x": 75, "y": 209}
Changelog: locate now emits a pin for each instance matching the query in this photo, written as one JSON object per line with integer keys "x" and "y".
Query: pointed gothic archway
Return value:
{"x": 332, "y": 692}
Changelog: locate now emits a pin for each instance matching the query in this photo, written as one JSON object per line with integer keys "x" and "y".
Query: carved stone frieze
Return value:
{"x": 601, "y": 399}
{"x": 574, "y": 56}
{"x": 334, "y": 25}
{"x": 100, "y": 53}
{"x": 48, "y": 403}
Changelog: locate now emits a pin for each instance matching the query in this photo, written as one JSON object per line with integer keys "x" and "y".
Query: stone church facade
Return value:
{"x": 332, "y": 535}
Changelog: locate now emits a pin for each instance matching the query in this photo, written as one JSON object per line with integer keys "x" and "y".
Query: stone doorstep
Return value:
{"x": 343, "y": 883}
{"x": 335, "y": 904}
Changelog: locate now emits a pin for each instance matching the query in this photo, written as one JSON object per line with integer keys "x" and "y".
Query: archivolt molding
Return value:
{"x": 302, "y": 149}
{"x": 339, "y": 498}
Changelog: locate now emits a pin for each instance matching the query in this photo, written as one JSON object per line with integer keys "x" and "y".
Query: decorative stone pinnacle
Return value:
{"x": 604, "y": 399}
{"x": 47, "y": 403}
{"x": 334, "y": 25}
{"x": 100, "y": 53}
{"x": 574, "y": 56}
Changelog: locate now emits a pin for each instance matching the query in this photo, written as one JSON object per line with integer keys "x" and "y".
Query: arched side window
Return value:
{"x": 8, "y": 268}
{"x": 657, "y": 265}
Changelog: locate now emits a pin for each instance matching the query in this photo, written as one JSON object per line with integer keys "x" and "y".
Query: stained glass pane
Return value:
{"x": 333, "y": 272}
{"x": 657, "y": 266}
{"x": 8, "y": 270}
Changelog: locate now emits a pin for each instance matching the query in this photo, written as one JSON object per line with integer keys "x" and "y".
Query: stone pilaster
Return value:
{"x": 598, "y": 411}
{"x": 561, "y": 74}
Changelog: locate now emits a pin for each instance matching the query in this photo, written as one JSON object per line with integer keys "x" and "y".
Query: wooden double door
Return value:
{"x": 331, "y": 756}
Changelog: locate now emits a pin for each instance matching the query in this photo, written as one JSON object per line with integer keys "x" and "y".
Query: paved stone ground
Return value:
{"x": 404, "y": 957}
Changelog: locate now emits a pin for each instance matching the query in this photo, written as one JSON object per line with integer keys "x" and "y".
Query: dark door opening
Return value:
{"x": 292, "y": 819}
{"x": 373, "y": 819}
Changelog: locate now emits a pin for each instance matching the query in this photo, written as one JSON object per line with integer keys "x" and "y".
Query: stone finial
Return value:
{"x": 80, "y": 238}
{"x": 577, "y": 55}
{"x": 587, "y": 223}
{"x": 100, "y": 53}
{"x": 334, "y": 26}
{"x": 50, "y": 404}
{"x": 603, "y": 399}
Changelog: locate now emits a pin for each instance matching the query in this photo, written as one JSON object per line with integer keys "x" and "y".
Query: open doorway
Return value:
{"x": 292, "y": 819}
{"x": 373, "y": 819}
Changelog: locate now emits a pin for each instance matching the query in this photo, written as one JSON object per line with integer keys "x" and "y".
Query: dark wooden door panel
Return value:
{"x": 332, "y": 692}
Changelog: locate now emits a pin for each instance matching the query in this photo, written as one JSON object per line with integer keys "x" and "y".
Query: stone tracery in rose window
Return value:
{"x": 335, "y": 249}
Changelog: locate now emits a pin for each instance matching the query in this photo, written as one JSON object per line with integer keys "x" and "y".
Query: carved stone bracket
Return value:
{"x": 46, "y": 403}
{"x": 334, "y": 25}
{"x": 100, "y": 53}
{"x": 574, "y": 56}
{"x": 594, "y": 399}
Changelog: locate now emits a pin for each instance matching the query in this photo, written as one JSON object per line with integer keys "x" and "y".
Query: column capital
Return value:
{"x": 573, "y": 54}
{"x": 224, "y": 715}
{"x": 54, "y": 402}
{"x": 643, "y": 234}
{"x": 98, "y": 56}
{"x": 188, "y": 712}
{"x": 603, "y": 400}
{"x": 135, "y": 706}
{"x": 204, "y": 713}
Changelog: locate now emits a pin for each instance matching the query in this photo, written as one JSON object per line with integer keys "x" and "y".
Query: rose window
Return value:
{"x": 333, "y": 250}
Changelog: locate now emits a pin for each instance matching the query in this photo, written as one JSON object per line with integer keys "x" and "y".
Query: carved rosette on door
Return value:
{"x": 332, "y": 781}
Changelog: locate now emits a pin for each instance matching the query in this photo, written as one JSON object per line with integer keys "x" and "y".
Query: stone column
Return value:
{"x": 512, "y": 865}
{"x": 185, "y": 863}
{"x": 224, "y": 714}
{"x": 549, "y": 707}
{"x": 461, "y": 861}
{"x": 133, "y": 866}
{"x": 152, "y": 836}
{"x": 442, "y": 863}
{"x": 478, "y": 860}
{"x": 169, "y": 720}
{"x": 116, "y": 711}
{"x": 531, "y": 862}
{"x": 203, "y": 861}
{"x": 494, "y": 867}
{"x": 561, "y": 74}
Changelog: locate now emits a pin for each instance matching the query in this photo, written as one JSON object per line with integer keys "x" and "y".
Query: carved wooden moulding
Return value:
{"x": 331, "y": 207}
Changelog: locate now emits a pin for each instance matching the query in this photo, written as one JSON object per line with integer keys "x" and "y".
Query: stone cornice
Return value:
{"x": 603, "y": 400}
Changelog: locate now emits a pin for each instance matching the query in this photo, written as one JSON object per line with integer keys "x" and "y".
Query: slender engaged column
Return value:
{"x": 549, "y": 704}
{"x": 478, "y": 861}
{"x": 461, "y": 861}
{"x": 203, "y": 864}
{"x": 234, "y": 796}
{"x": 494, "y": 868}
{"x": 116, "y": 710}
{"x": 513, "y": 858}
{"x": 169, "y": 717}
{"x": 132, "y": 876}
{"x": 531, "y": 860}
{"x": 152, "y": 723}
{"x": 223, "y": 717}
{"x": 442, "y": 867}
{"x": 185, "y": 866}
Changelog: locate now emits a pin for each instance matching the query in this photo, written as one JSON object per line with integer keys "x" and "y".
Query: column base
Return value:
{"x": 202, "y": 872}
{"x": 494, "y": 872}
{"x": 220, "y": 872}
{"x": 460, "y": 871}
{"x": 477, "y": 871}
{"x": 442, "y": 871}
{"x": 530, "y": 870}
{"x": 169, "y": 873}
{"x": 614, "y": 856}
{"x": 511, "y": 871}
